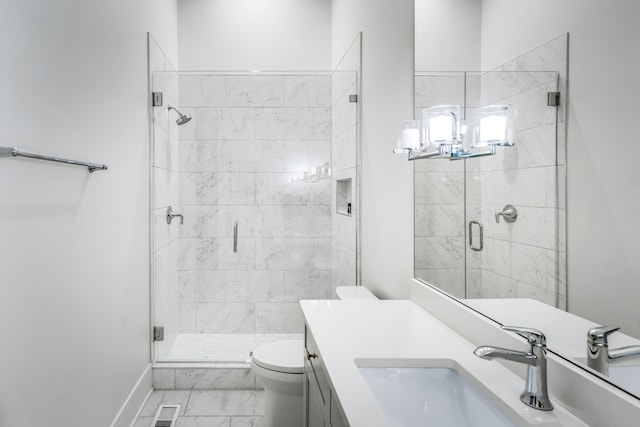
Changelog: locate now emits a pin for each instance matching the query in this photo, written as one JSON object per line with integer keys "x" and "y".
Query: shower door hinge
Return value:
{"x": 158, "y": 333}
{"x": 156, "y": 100}
{"x": 353, "y": 98}
{"x": 553, "y": 99}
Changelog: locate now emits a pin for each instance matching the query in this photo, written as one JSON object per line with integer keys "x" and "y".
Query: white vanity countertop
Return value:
{"x": 399, "y": 329}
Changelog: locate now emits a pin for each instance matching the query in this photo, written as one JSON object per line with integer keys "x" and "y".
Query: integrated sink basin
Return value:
{"x": 626, "y": 376}
{"x": 439, "y": 394}
{"x": 624, "y": 373}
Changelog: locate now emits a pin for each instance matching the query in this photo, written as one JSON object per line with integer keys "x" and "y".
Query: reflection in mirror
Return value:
{"x": 491, "y": 231}
{"x": 468, "y": 239}
{"x": 611, "y": 354}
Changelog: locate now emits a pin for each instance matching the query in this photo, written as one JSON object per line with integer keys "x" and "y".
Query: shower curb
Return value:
{"x": 204, "y": 376}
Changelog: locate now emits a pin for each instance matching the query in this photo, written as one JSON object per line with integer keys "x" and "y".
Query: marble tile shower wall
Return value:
{"x": 240, "y": 159}
{"x": 165, "y": 175}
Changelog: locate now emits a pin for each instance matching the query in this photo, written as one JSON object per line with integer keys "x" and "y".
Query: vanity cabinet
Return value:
{"x": 321, "y": 406}
{"x": 336, "y": 416}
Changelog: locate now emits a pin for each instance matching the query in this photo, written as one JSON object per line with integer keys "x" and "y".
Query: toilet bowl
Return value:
{"x": 278, "y": 367}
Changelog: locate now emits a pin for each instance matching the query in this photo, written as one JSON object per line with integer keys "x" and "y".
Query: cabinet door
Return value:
{"x": 336, "y": 416}
{"x": 314, "y": 409}
{"x": 314, "y": 358}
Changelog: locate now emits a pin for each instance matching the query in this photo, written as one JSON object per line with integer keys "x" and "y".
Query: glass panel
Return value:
{"x": 164, "y": 184}
{"x": 346, "y": 171}
{"x": 439, "y": 196}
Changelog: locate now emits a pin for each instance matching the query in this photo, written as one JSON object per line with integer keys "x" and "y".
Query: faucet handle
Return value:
{"x": 509, "y": 213}
{"x": 534, "y": 336}
{"x": 172, "y": 214}
{"x": 599, "y": 335}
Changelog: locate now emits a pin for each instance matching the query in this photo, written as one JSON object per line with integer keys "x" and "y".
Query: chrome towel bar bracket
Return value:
{"x": 14, "y": 152}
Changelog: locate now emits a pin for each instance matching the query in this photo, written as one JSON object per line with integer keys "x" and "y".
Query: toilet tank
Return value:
{"x": 354, "y": 292}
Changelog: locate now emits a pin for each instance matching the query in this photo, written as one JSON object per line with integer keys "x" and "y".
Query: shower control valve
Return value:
{"x": 172, "y": 214}
{"x": 509, "y": 213}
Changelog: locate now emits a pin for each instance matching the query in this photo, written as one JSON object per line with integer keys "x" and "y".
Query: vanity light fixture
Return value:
{"x": 443, "y": 133}
{"x": 410, "y": 136}
{"x": 494, "y": 126}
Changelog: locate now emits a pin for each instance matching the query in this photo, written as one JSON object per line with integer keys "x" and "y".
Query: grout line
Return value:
{"x": 187, "y": 403}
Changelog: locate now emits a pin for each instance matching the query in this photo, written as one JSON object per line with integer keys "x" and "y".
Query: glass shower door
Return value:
{"x": 511, "y": 199}
{"x": 464, "y": 244}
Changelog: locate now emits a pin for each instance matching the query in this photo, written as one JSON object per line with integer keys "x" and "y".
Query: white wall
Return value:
{"x": 602, "y": 149}
{"x": 447, "y": 35}
{"x": 74, "y": 246}
{"x": 254, "y": 35}
{"x": 387, "y": 96}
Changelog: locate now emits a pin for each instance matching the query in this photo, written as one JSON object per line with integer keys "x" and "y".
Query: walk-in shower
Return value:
{"x": 258, "y": 235}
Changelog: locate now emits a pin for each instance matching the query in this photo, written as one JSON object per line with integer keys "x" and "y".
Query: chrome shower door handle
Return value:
{"x": 476, "y": 248}
{"x": 235, "y": 236}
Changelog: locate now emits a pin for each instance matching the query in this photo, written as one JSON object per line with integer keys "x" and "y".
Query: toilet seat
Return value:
{"x": 282, "y": 356}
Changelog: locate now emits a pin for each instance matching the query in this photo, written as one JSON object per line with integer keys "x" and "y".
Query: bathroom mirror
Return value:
{"x": 512, "y": 272}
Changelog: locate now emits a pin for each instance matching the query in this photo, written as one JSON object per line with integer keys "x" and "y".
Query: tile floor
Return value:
{"x": 207, "y": 408}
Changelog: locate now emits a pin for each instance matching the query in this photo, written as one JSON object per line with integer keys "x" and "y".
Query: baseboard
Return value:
{"x": 134, "y": 402}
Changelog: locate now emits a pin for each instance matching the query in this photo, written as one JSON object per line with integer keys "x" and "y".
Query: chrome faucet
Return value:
{"x": 535, "y": 390}
{"x": 172, "y": 214}
{"x": 598, "y": 353}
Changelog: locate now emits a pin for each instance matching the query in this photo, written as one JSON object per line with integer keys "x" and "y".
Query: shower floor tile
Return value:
{"x": 220, "y": 347}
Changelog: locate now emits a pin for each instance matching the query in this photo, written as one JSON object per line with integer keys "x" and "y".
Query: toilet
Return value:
{"x": 278, "y": 366}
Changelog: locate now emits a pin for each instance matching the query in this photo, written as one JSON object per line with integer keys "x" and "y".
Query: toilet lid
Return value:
{"x": 282, "y": 356}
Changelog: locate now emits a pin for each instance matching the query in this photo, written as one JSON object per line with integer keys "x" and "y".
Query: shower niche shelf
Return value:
{"x": 344, "y": 205}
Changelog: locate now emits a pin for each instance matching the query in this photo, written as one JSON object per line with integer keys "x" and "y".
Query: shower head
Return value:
{"x": 184, "y": 118}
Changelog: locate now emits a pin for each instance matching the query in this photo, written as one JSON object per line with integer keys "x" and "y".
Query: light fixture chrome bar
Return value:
{"x": 441, "y": 152}
{"x": 14, "y": 152}
{"x": 468, "y": 155}
{"x": 415, "y": 155}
